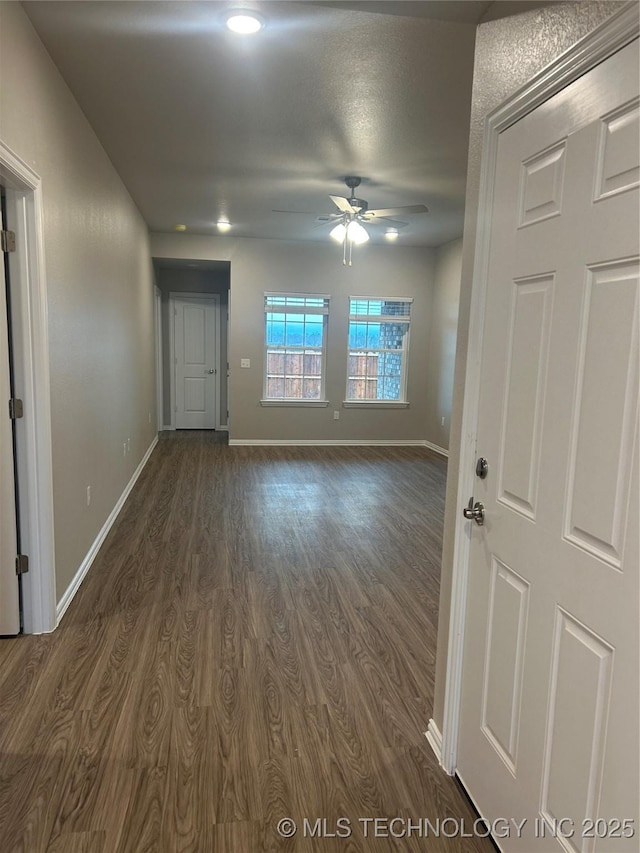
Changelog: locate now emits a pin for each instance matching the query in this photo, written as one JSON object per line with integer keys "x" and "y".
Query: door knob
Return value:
{"x": 211, "y": 370}
{"x": 474, "y": 511}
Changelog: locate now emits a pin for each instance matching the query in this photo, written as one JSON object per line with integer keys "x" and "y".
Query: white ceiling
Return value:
{"x": 203, "y": 124}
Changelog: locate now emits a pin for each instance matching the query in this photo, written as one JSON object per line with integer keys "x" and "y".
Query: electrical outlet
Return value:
{"x": 124, "y": 448}
{"x": 442, "y": 422}
{"x": 88, "y": 495}
{"x": 336, "y": 416}
{"x": 245, "y": 362}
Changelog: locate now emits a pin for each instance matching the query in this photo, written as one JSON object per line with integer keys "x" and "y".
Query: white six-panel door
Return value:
{"x": 549, "y": 708}
{"x": 195, "y": 348}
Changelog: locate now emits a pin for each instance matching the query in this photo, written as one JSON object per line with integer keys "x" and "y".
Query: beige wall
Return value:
{"x": 508, "y": 53}
{"x": 442, "y": 341}
{"x": 99, "y": 293}
{"x": 261, "y": 265}
{"x": 193, "y": 281}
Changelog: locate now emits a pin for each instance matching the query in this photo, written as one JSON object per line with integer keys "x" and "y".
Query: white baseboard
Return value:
{"x": 338, "y": 442}
{"x": 436, "y": 448}
{"x": 171, "y": 428}
{"x": 434, "y": 737}
{"x": 73, "y": 587}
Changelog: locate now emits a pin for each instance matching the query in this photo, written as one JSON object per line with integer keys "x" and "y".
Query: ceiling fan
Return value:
{"x": 354, "y": 213}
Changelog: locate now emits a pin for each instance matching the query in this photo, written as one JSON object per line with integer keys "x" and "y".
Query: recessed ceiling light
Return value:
{"x": 179, "y": 227}
{"x": 391, "y": 233}
{"x": 223, "y": 224}
{"x": 245, "y": 23}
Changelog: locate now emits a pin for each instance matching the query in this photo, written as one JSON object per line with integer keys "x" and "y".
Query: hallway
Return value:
{"x": 255, "y": 641}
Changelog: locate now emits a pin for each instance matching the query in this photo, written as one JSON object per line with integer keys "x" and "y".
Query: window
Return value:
{"x": 378, "y": 349}
{"x": 295, "y": 339}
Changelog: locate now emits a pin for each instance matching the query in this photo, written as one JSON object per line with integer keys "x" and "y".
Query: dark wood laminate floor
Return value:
{"x": 256, "y": 640}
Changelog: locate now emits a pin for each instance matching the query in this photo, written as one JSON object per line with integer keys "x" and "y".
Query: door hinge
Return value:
{"x": 22, "y": 564}
{"x": 8, "y": 241}
{"x": 16, "y": 409}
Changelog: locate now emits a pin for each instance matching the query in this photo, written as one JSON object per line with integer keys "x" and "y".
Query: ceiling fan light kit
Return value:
{"x": 352, "y": 231}
{"x": 356, "y": 233}
{"x": 338, "y": 233}
{"x": 349, "y": 234}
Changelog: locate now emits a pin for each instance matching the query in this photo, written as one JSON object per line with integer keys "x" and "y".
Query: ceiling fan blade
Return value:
{"x": 343, "y": 204}
{"x": 303, "y": 212}
{"x": 384, "y": 221}
{"x": 328, "y": 219}
{"x": 400, "y": 211}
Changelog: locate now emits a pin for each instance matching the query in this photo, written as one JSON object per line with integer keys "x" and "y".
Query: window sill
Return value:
{"x": 305, "y": 403}
{"x": 374, "y": 404}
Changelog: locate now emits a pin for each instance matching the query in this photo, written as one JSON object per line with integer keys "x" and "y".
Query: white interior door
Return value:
{"x": 9, "y": 601}
{"x": 196, "y": 365}
{"x": 549, "y": 707}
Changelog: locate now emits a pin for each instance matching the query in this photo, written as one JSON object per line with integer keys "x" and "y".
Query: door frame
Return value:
{"x": 175, "y": 296}
{"x": 33, "y": 432}
{"x": 612, "y": 35}
{"x": 157, "y": 304}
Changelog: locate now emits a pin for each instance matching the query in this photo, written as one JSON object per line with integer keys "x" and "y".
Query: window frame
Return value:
{"x": 323, "y": 311}
{"x": 402, "y": 402}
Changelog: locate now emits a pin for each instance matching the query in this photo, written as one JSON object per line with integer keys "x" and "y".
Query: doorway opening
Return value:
{"x": 30, "y": 363}
{"x": 192, "y": 302}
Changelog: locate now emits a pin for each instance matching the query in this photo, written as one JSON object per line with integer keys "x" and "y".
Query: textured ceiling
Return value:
{"x": 203, "y": 124}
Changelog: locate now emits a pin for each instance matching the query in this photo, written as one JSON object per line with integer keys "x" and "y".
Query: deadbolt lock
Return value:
{"x": 482, "y": 468}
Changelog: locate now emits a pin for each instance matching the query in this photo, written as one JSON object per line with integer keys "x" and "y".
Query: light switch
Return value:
{"x": 245, "y": 362}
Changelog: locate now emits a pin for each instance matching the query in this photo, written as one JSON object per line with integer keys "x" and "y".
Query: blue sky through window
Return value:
{"x": 294, "y": 330}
